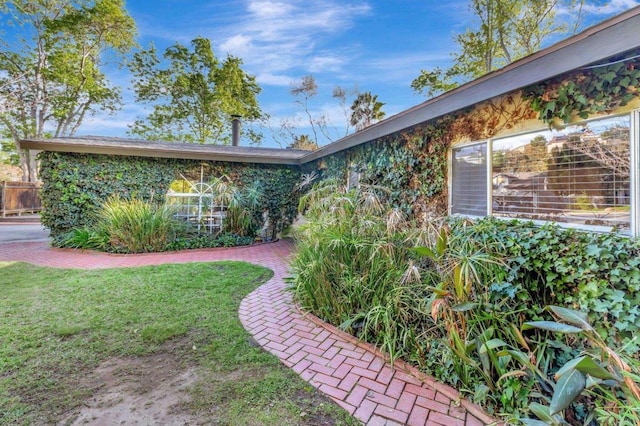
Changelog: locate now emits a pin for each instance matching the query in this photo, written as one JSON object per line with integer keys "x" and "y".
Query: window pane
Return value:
{"x": 469, "y": 180}
{"x": 580, "y": 175}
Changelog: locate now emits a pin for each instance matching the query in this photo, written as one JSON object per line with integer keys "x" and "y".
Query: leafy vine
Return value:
{"x": 76, "y": 184}
{"x": 585, "y": 92}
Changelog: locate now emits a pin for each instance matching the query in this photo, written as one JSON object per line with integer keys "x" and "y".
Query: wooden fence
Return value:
{"x": 19, "y": 197}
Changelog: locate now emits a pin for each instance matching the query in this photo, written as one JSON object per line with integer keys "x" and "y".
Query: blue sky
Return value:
{"x": 378, "y": 46}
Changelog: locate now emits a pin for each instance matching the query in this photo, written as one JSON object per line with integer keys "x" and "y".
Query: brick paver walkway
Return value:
{"x": 354, "y": 375}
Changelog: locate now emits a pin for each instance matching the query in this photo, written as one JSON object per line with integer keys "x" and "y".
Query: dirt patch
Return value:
{"x": 170, "y": 387}
{"x": 130, "y": 391}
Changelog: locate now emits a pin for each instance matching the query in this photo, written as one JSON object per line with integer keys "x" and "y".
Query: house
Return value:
{"x": 514, "y": 133}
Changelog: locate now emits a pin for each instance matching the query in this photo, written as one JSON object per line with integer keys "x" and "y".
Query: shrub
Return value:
{"x": 135, "y": 226}
{"x": 352, "y": 266}
{"x": 83, "y": 238}
{"x": 208, "y": 241}
{"x": 550, "y": 265}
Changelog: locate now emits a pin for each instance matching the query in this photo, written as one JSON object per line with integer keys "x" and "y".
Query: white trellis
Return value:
{"x": 200, "y": 206}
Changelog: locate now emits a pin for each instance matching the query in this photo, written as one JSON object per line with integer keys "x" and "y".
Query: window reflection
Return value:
{"x": 579, "y": 175}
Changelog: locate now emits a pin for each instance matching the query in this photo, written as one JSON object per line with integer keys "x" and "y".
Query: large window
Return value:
{"x": 580, "y": 176}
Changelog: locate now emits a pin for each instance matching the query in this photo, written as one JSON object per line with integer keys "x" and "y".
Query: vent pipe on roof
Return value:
{"x": 235, "y": 130}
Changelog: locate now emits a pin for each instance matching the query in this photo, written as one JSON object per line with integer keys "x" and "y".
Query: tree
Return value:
{"x": 363, "y": 111}
{"x": 303, "y": 91}
{"x": 506, "y": 31}
{"x": 611, "y": 150}
{"x": 50, "y": 71}
{"x": 303, "y": 142}
{"x": 342, "y": 95}
{"x": 193, "y": 94}
{"x": 366, "y": 110}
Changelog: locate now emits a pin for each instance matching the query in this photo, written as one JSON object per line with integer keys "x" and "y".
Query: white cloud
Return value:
{"x": 320, "y": 64}
{"x": 239, "y": 44}
{"x": 278, "y": 36}
{"x": 612, "y": 7}
{"x": 274, "y": 79}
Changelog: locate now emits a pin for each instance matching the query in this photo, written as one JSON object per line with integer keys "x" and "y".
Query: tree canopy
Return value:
{"x": 193, "y": 94}
{"x": 366, "y": 110}
{"x": 303, "y": 142}
{"x": 50, "y": 69}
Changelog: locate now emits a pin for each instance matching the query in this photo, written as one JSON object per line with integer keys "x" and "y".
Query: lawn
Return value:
{"x": 72, "y": 339}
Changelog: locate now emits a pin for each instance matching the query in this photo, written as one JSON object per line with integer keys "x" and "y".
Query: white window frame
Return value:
{"x": 634, "y": 140}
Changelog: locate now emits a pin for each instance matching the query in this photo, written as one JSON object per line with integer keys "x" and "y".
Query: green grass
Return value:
{"x": 57, "y": 326}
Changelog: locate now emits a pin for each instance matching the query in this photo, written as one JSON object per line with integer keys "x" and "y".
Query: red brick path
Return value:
{"x": 354, "y": 375}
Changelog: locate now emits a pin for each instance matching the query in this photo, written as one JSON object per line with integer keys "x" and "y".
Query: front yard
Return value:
{"x": 149, "y": 343}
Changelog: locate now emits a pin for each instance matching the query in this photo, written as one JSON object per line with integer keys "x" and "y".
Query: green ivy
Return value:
{"x": 412, "y": 165}
{"x": 594, "y": 273}
{"x": 585, "y": 92}
{"x": 75, "y": 185}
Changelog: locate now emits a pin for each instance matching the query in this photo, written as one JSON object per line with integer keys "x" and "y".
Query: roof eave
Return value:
{"x": 179, "y": 151}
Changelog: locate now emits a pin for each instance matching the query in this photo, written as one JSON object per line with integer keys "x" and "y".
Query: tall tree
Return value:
{"x": 193, "y": 94}
{"x": 505, "y": 31}
{"x": 322, "y": 129}
{"x": 51, "y": 68}
{"x": 366, "y": 110}
{"x": 302, "y": 92}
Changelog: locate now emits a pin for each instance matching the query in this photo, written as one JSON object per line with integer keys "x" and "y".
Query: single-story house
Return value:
{"x": 560, "y": 127}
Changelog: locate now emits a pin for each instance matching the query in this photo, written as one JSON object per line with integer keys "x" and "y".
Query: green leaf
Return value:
{"x": 541, "y": 412}
{"x": 577, "y": 318}
{"x": 521, "y": 357}
{"x": 551, "y": 326}
{"x": 425, "y": 252}
{"x": 532, "y": 422}
{"x": 464, "y": 307}
{"x": 441, "y": 244}
{"x": 592, "y": 368}
{"x": 568, "y": 388}
{"x": 608, "y": 77}
{"x": 491, "y": 344}
{"x": 438, "y": 291}
{"x": 593, "y": 250}
{"x": 581, "y": 99}
{"x": 569, "y": 365}
{"x": 550, "y": 107}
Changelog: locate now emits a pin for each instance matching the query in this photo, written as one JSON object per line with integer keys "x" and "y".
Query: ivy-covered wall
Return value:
{"x": 74, "y": 185}
{"x": 412, "y": 164}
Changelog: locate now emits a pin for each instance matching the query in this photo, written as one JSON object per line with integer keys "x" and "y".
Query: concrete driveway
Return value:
{"x": 22, "y": 232}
